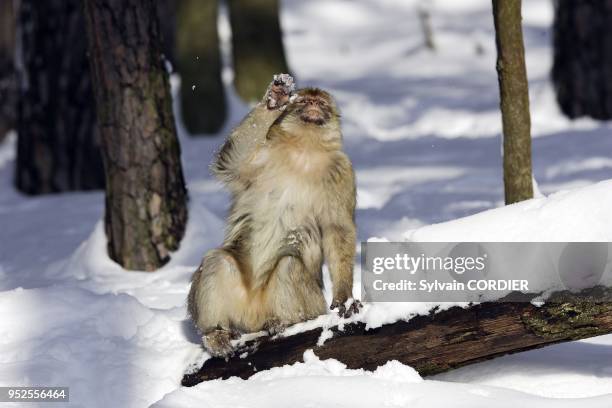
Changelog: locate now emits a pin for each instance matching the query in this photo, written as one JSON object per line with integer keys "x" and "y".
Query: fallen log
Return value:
{"x": 434, "y": 343}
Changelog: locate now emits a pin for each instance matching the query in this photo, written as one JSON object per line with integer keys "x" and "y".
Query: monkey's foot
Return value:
{"x": 279, "y": 91}
{"x": 348, "y": 308}
{"x": 274, "y": 327}
{"x": 218, "y": 342}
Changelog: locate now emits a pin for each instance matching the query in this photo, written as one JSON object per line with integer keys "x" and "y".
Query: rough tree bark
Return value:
{"x": 257, "y": 45}
{"x": 582, "y": 70}
{"x": 202, "y": 95}
{"x": 145, "y": 193}
{"x": 58, "y": 146}
{"x": 8, "y": 79}
{"x": 514, "y": 95}
{"x": 430, "y": 344}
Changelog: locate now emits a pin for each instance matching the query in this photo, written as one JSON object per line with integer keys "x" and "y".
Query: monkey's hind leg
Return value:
{"x": 294, "y": 294}
{"x": 217, "y": 300}
{"x": 295, "y": 291}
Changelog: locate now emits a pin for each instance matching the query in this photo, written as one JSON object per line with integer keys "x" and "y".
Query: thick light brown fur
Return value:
{"x": 293, "y": 207}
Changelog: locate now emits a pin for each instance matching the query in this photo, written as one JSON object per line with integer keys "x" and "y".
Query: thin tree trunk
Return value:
{"x": 257, "y": 44}
{"x": 431, "y": 343}
{"x": 514, "y": 95}
{"x": 145, "y": 194}
{"x": 8, "y": 79}
{"x": 203, "y": 105}
{"x": 58, "y": 147}
{"x": 424, "y": 13}
{"x": 582, "y": 70}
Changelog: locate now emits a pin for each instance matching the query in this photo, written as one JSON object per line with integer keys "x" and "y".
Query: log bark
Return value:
{"x": 431, "y": 344}
{"x": 58, "y": 148}
{"x": 582, "y": 69}
{"x": 514, "y": 100}
{"x": 202, "y": 95}
{"x": 145, "y": 191}
{"x": 257, "y": 45}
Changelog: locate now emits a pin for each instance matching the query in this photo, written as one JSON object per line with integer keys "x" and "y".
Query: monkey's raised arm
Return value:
{"x": 239, "y": 148}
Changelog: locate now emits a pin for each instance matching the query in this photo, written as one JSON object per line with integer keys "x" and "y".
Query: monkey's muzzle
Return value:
{"x": 312, "y": 114}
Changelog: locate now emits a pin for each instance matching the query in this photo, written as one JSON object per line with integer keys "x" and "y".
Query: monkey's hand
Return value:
{"x": 218, "y": 342}
{"x": 279, "y": 92}
{"x": 347, "y": 308}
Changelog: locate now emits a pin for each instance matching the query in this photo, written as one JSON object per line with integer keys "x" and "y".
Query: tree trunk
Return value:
{"x": 582, "y": 70}
{"x": 257, "y": 44}
{"x": 8, "y": 79}
{"x": 58, "y": 147}
{"x": 203, "y": 105}
{"x": 424, "y": 14}
{"x": 430, "y": 344}
{"x": 145, "y": 194}
{"x": 514, "y": 95}
{"x": 166, "y": 15}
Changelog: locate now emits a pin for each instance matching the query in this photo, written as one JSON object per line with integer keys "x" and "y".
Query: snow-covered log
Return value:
{"x": 434, "y": 343}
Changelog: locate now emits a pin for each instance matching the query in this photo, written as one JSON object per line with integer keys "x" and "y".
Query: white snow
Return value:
{"x": 578, "y": 215}
{"x": 329, "y": 383}
{"x": 423, "y": 131}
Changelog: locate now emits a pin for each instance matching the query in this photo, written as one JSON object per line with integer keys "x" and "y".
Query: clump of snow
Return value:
{"x": 327, "y": 381}
{"x": 326, "y": 334}
{"x": 286, "y": 80}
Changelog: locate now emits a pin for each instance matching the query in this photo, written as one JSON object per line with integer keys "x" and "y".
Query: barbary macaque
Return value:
{"x": 293, "y": 203}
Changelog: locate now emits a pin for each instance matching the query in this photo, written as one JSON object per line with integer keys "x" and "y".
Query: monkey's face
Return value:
{"x": 314, "y": 106}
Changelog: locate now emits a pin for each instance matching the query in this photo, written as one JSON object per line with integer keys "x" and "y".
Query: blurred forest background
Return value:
{"x": 85, "y": 86}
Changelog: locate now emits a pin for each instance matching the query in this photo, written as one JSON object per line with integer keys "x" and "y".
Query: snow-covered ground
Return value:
{"x": 423, "y": 130}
